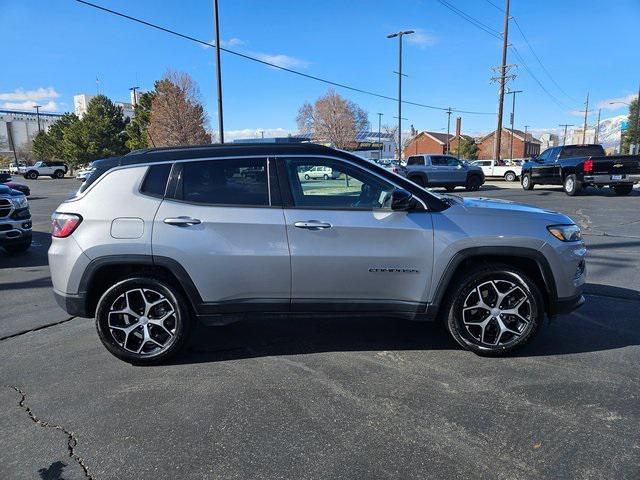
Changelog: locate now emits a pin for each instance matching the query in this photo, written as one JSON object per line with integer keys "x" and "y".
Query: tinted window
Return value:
{"x": 415, "y": 161}
{"x": 582, "y": 151}
{"x": 452, "y": 161}
{"x": 226, "y": 182}
{"x": 155, "y": 181}
{"x": 544, "y": 155}
{"x": 439, "y": 161}
{"x": 347, "y": 187}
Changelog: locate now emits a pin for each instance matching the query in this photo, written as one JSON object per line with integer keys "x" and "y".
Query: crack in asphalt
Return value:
{"x": 35, "y": 329}
{"x": 72, "y": 441}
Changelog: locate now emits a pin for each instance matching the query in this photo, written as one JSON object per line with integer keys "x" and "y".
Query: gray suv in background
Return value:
{"x": 443, "y": 171}
{"x": 160, "y": 238}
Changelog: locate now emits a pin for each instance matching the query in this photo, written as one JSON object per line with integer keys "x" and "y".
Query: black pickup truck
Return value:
{"x": 578, "y": 166}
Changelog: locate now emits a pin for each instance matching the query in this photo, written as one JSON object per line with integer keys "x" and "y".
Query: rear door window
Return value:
{"x": 155, "y": 182}
{"x": 232, "y": 182}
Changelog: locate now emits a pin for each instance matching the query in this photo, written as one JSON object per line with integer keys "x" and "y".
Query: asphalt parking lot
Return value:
{"x": 339, "y": 398}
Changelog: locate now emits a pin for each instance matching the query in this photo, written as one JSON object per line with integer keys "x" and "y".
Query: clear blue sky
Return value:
{"x": 586, "y": 46}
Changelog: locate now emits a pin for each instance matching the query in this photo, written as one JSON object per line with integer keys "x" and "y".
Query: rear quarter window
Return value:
{"x": 582, "y": 151}
{"x": 155, "y": 181}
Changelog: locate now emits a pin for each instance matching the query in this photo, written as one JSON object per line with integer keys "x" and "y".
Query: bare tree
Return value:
{"x": 333, "y": 119}
{"x": 392, "y": 133}
{"x": 177, "y": 115}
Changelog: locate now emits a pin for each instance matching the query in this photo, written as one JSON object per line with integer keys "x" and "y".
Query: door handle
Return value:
{"x": 182, "y": 221}
{"x": 312, "y": 225}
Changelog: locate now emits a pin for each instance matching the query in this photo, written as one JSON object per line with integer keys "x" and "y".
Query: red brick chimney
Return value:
{"x": 458, "y": 126}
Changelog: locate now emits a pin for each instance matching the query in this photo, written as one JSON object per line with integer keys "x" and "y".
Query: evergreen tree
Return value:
{"x": 468, "y": 149}
{"x": 137, "y": 129}
{"x": 48, "y": 145}
{"x": 631, "y": 135}
{"x": 99, "y": 134}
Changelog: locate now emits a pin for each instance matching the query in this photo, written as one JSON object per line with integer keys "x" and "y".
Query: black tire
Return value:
{"x": 474, "y": 182}
{"x": 153, "y": 287}
{"x": 58, "y": 174}
{"x": 325, "y": 176}
{"x": 622, "y": 189}
{"x": 420, "y": 180}
{"x": 18, "y": 247}
{"x": 571, "y": 185}
{"x": 306, "y": 176}
{"x": 31, "y": 175}
{"x": 527, "y": 183}
{"x": 467, "y": 288}
{"x": 450, "y": 188}
{"x": 510, "y": 176}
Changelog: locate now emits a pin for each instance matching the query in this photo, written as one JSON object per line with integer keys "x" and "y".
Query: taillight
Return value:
{"x": 63, "y": 224}
{"x": 588, "y": 166}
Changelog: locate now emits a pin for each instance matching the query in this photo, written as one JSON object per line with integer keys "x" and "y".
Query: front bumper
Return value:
{"x": 15, "y": 231}
{"x": 568, "y": 305}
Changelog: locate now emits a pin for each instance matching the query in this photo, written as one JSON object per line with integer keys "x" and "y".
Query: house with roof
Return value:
{"x": 524, "y": 145}
{"x": 428, "y": 142}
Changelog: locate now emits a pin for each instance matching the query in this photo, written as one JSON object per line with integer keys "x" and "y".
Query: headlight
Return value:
{"x": 565, "y": 233}
{"x": 20, "y": 202}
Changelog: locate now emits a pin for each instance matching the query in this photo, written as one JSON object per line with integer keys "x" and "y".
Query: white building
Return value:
{"x": 81, "y": 103}
{"x": 20, "y": 127}
{"x": 549, "y": 140}
{"x": 575, "y": 136}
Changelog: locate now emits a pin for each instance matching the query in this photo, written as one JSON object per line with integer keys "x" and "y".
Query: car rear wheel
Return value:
{"x": 495, "y": 310}
{"x": 325, "y": 176}
{"x": 58, "y": 174}
{"x": 527, "y": 184}
{"x": 473, "y": 183}
{"x": 572, "y": 186}
{"x": 510, "y": 176}
{"x": 143, "y": 320}
{"x": 622, "y": 189}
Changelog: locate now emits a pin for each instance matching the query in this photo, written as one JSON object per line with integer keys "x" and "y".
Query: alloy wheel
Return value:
{"x": 497, "y": 313}
{"x": 143, "y": 322}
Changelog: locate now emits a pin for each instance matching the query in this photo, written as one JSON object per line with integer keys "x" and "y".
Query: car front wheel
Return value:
{"x": 495, "y": 310}
{"x": 31, "y": 175}
{"x": 143, "y": 320}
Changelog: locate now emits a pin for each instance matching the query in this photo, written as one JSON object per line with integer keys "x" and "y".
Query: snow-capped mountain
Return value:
{"x": 609, "y": 135}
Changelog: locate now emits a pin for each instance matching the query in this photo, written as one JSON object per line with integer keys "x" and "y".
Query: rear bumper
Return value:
{"x": 72, "y": 304}
{"x": 569, "y": 304}
{"x": 606, "y": 179}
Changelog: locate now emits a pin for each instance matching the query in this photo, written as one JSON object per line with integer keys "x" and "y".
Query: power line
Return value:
{"x": 474, "y": 21}
{"x": 539, "y": 60}
{"x": 273, "y": 65}
{"x": 494, "y": 5}
{"x": 524, "y": 64}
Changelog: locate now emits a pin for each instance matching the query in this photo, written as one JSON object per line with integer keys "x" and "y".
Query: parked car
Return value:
{"x": 443, "y": 171}
{"x": 5, "y": 179}
{"x": 319, "y": 172}
{"x": 578, "y": 166}
{"x": 83, "y": 173}
{"x": 51, "y": 169}
{"x": 15, "y": 220}
{"x": 157, "y": 239}
{"x": 493, "y": 168}
{"x": 15, "y": 169}
{"x": 393, "y": 166}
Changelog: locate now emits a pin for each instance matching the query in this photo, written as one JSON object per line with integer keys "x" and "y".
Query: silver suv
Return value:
{"x": 159, "y": 238}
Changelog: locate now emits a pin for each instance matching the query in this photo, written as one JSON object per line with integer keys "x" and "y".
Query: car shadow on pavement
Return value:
{"x": 36, "y": 256}
{"x": 607, "y": 321}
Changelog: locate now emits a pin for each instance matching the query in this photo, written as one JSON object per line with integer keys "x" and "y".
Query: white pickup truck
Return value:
{"x": 491, "y": 168}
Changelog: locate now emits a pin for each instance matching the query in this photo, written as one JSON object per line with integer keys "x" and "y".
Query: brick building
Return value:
{"x": 427, "y": 142}
{"x": 521, "y": 148}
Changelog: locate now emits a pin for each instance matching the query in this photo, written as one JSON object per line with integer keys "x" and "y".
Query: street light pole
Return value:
{"x": 399, "y": 72}
{"x": 379, "y": 132}
{"x": 218, "y": 71}
{"x": 513, "y": 114}
{"x": 449, "y": 128}
{"x": 134, "y": 99}
{"x": 37, "y": 107}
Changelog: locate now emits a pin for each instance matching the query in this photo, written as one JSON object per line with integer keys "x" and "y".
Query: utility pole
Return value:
{"x": 513, "y": 113}
{"x": 565, "y": 125}
{"x": 584, "y": 128}
{"x": 597, "y": 132}
{"x": 38, "y": 107}
{"x": 448, "y": 127}
{"x": 134, "y": 95}
{"x": 502, "y": 80}
{"x": 399, "y": 72}
{"x": 637, "y": 149}
{"x": 218, "y": 71}
{"x": 379, "y": 132}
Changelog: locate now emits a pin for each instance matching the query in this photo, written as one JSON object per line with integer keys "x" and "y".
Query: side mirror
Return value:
{"x": 402, "y": 200}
